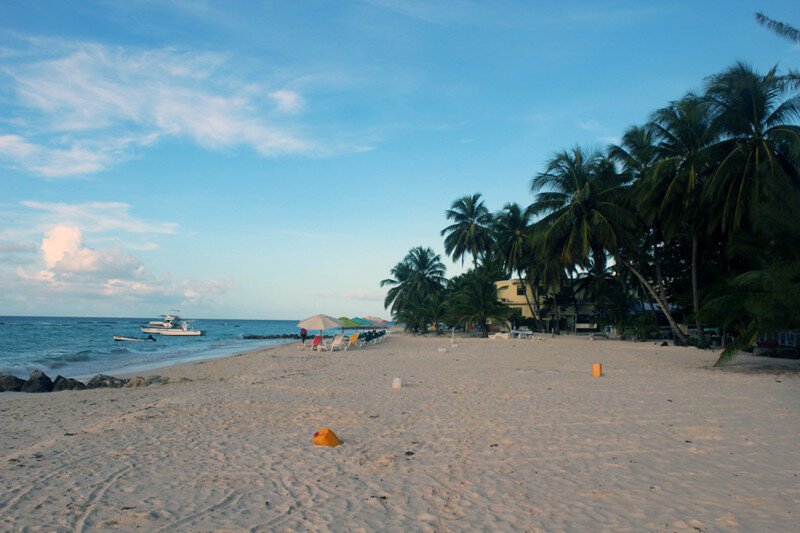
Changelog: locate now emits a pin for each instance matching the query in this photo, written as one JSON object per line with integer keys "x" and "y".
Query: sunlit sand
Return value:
{"x": 491, "y": 434}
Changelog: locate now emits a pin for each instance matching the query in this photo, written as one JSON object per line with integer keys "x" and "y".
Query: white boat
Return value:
{"x": 182, "y": 331}
{"x": 163, "y": 323}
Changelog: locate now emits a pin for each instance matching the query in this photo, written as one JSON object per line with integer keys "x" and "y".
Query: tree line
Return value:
{"x": 698, "y": 209}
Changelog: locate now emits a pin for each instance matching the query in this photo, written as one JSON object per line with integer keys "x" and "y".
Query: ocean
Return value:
{"x": 82, "y": 347}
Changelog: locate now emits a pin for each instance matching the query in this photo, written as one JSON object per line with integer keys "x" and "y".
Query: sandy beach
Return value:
{"x": 506, "y": 435}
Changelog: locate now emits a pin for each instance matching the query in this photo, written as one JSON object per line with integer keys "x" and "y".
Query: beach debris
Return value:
{"x": 101, "y": 381}
{"x": 9, "y": 383}
{"x": 326, "y": 437}
{"x": 597, "y": 370}
{"x": 62, "y": 383}
{"x": 38, "y": 381}
{"x": 454, "y": 345}
{"x": 409, "y": 453}
{"x": 442, "y": 350}
{"x": 397, "y": 383}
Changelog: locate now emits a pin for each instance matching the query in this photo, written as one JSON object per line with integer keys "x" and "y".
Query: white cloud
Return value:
{"x": 287, "y": 101}
{"x": 77, "y": 105}
{"x": 64, "y": 252}
{"x": 590, "y": 125}
{"x": 98, "y": 217}
{"x": 71, "y": 267}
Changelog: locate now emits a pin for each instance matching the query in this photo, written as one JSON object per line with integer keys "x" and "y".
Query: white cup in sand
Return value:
{"x": 397, "y": 383}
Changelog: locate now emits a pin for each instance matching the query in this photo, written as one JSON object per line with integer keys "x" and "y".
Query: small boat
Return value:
{"x": 182, "y": 331}
{"x": 134, "y": 339}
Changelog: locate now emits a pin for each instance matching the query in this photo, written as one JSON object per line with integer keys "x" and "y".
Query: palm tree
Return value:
{"x": 578, "y": 194}
{"x": 780, "y": 28}
{"x": 673, "y": 189}
{"x": 469, "y": 233}
{"x": 512, "y": 235}
{"x": 764, "y": 300}
{"x": 583, "y": 212}
{"x": 475, "y": 302}
{"x": 421, "y": 272}
{"x": 638, "y": 155}
{"x": 759, "y": 150}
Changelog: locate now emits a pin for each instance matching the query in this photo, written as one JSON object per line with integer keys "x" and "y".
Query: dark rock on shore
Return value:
{"x": 38, "y": 381}
{"x": 101, "y": 380}
{"x": 277, "y": 336}
{"x": 11, "y": 383}
{"x": 62, "y": 383}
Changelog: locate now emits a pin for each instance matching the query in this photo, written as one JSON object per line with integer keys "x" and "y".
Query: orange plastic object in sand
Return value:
{"x": 326, "y": 437}
{"x": 597, "y": 370}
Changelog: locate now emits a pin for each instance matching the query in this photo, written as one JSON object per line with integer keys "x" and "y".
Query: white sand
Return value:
{"x": 506, "y": 435}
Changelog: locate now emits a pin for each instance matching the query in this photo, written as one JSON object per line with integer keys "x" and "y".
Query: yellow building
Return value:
{"x": 512, "y": 293}
{"x": 575, "y": 314}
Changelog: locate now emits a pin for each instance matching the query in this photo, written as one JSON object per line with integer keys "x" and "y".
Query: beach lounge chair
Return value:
{"x": 337, "y": 343}
{"x": 354, "y": 342}
{"x": 315, "y": 344}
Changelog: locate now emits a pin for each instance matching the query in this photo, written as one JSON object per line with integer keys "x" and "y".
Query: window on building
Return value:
{"x": 520, "y": 290}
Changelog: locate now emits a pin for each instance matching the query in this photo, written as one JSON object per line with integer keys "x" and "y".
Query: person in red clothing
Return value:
{"x": 303, "y": 335}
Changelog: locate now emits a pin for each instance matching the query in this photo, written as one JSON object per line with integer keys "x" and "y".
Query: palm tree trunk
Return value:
{"x": 574, "y": 303}
{"x": 680, "y": 336}
{"x": 535, "y": 291}
{"x": 695, "y": 296}
{"x": 527, "y": 300}
{"x": 660, "y": 285}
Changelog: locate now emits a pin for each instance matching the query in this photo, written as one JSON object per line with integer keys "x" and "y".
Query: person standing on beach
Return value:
{"x": 303, "y": 335}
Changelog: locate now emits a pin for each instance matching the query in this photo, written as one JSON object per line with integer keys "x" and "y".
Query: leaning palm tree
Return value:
{"x": 469, "y": 233}
{"x": 580, "y": 196}
{"x": 760, "y": 144}
{"x": 638, "y": 155}
{"x": 673, "y": 190}
{"x": 512, "y": 229}
{"x": 421, "y": 272}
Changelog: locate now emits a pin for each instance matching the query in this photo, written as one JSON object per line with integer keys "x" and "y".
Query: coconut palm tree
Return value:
{"x": 760, "y": 147}
{"x": 475, "y": 302}
{"x": 638, "y": 155}
{"x": 673, "y": 189}
{"x": 766, "y": 299}
{"x": 470, "y": 231}
{"x": 421, "y": 272}
{"x": 512, "y": 228}
{"x": 580, "y": 196}
{"x": 780, "y": 28}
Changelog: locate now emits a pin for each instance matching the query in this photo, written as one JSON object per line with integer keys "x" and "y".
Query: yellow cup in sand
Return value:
{"x": 326, "y": 437}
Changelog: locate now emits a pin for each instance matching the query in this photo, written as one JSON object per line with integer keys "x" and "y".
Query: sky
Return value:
{"x": 274, "y": 160}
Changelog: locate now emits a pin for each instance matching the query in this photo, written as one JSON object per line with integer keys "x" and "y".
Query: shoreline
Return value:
{"x": 509, "y": 434}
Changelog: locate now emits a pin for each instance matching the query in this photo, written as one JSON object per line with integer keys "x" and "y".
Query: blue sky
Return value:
{"x": 273, "y": 160}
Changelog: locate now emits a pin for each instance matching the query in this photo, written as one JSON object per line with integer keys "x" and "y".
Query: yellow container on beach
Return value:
{"x": 597, "y": 370}
{"x": 326, "y": 437}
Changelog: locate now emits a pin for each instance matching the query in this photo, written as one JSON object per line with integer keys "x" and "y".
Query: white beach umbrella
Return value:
{"x": 319, "y": 322}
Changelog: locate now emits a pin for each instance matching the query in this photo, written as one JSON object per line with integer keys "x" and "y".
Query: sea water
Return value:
{"x": 83, "y": 347}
